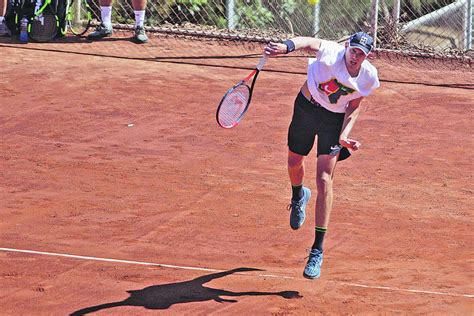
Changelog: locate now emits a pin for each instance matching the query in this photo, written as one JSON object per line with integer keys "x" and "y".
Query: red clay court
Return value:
{"x": 120, "y": 195}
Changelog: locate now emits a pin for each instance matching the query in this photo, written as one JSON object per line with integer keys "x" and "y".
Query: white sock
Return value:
{"x": 1, "y": 19}
{"x": 106, "y": 15}
{"x": 139, "y": 17}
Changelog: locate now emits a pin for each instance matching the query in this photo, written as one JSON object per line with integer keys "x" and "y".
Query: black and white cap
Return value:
{"x": 363, "y": 41}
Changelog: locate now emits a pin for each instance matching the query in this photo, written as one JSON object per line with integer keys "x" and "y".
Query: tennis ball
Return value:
{"x": 313, "y": 2}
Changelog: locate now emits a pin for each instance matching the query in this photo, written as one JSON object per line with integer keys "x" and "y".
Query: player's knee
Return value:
{"x": 324, "y": 180}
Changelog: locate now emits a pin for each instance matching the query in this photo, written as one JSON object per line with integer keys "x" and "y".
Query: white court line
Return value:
{"x": 215, "y": 270}
{"x": 406, "y": 290}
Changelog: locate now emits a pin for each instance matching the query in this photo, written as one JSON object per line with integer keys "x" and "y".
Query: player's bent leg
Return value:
{"x": 298, "y": 209}
{"x": 301, "y": 195}
{"x": 295, "y": 168}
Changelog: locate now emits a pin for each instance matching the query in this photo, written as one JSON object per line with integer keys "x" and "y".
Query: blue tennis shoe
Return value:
{"x": 313, "y": 266}
{"x": 298, "y": 209}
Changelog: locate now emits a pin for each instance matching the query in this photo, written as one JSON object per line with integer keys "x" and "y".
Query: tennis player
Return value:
{"x": 105, "y": 28}
{"x": 327, "y": 106}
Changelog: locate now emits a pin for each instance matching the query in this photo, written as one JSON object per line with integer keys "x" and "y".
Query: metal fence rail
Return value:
{"x": 441, "y": 26}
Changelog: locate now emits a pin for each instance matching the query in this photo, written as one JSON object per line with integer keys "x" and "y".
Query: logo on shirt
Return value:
{"x": 334, "y": 90}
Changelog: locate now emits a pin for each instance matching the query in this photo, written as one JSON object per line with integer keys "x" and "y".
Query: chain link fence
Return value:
{"x": 436, "y": 26}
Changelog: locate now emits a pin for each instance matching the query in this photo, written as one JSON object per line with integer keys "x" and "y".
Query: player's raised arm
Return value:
{"x": 296, "y": 43}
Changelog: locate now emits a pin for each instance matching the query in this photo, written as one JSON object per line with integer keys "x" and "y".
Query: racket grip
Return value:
{"x": 262, "y": 62}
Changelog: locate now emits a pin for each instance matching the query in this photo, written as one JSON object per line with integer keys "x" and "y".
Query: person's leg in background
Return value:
{"x": 105, "y": 28}
{"x": 3, "y": 25}
{"x": 139, "y": 8}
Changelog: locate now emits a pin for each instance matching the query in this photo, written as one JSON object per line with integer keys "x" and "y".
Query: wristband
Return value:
{"x": 290, "y": 46}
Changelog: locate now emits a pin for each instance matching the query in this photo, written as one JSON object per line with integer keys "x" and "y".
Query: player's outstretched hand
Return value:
{"x": 350, "y": 143}
{"x": 275, "y": 49}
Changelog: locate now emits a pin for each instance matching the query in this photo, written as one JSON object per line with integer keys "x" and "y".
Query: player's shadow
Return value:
{"x": 165, "y": 295}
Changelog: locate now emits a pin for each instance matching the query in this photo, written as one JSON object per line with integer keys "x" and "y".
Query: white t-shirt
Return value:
{"x": 330, "y": 83}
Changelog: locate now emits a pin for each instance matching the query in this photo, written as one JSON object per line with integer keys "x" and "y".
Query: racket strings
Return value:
{"x": 79, "y": 19}
{"x": 233, "y": 106}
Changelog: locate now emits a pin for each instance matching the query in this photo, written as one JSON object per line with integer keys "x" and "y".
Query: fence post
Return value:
{"x": 316, "y": 13}
{"x": 230, "y": 13}
{"x": 468, "y": 26}
{"x": 374, "y": 20}
{"x": 396, "y": 13}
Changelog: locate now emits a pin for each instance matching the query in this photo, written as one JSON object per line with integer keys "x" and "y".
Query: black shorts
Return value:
{"x": 311, "y": 119}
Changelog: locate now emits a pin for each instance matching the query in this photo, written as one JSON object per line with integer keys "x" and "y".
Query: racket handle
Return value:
{"x": 262, "y": 62}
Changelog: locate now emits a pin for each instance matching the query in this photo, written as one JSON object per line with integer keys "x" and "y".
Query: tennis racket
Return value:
{"x": 236, "y": 100}
{"x": 78, "y": 16}
{"x": 44, "y": 25}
